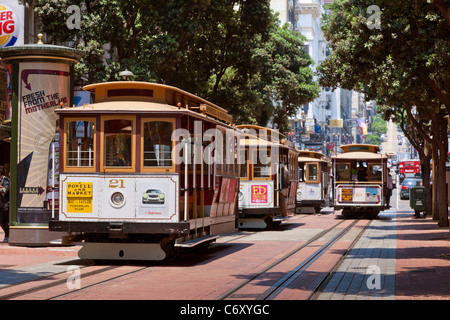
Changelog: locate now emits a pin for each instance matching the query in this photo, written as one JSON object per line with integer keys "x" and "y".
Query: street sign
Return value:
{"x": 336, "y": 123}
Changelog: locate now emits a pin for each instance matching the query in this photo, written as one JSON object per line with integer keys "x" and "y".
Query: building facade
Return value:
{"x": 334, "y": 117}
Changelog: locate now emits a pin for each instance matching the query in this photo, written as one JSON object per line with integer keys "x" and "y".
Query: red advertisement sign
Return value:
{"x": 259, "y": 194}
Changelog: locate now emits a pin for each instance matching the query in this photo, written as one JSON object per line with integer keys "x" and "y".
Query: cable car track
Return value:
{"x": 288, "y": 278}
{"x": 60, "y": 279}
{"x": 63, "y": 281}
{"x": 99, "y": 283}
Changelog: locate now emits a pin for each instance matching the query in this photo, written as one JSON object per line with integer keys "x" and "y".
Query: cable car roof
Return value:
{"x": 120, "y": 106}
{"x": 360, "y": 147}
{"x": 252, "y": 126}
{"x": 360, "y": 155}
{"x": 157, "y": 93}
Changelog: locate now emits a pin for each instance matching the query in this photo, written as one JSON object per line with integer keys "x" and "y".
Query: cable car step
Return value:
{"x": 197, "y": 241}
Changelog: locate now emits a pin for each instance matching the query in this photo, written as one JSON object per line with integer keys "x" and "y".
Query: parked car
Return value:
{"x": 407, "y": 184}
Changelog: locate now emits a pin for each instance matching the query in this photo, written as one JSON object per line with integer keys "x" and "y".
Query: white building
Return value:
{"x": 337, "y": 112}
{"x": 305, "y": 16}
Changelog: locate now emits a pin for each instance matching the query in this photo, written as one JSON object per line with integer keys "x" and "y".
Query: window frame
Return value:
{"x": 348, "y": 163}
{"x": 67, "y": 168}
{"x": 246, "y": 164}
{"x": 254, "y": 160}
{"x": 156, "y": 169}
{"x": 307, "y": 170}
{"x": 103, "y": 168}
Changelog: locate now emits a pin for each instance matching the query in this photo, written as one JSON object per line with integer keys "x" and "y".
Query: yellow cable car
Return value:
{"x": 360, "y": 180}
{"x": 313, "y": 191}
{"x": 145, "y": 169}
{"x": 269, "y": 178}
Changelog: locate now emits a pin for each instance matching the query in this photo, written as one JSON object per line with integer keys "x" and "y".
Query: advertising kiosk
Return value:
{"x": 39, "y": 80}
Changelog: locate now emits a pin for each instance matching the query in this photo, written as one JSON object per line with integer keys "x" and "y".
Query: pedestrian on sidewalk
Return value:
{"x": 389, "y": 187}
{"x": 4, "y": 203}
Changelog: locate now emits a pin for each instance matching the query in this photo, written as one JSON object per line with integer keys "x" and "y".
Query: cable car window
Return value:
{"x": 158, "y": 143}
{"x": 342, "y": 171}
{"x": 311, "y": 172}
{"x": 301, "y": 172}
{"x": 244, "y": 166}
{"x": 118, "y": 146}
{"x": 375, "y": 172}
{"x": 260, "y": 170}
{"x": 80, "y": 144}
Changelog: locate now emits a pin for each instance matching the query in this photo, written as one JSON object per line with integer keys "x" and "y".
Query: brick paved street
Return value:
{"x": 397, "y": 257}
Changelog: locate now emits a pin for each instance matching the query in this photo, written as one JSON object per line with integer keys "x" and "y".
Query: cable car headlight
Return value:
{"x": 117, "y": 198}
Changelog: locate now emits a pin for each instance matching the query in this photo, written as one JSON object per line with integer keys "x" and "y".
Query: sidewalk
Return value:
{"x": 423, "y": 259}
{"x": 410, "y": 256}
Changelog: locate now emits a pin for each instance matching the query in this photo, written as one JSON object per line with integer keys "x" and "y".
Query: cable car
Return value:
{"x": 313, "y": 191}
{"x": 144, "y": 170}
{"x": 268, "y": 179}
{"x": 360, "y": 179}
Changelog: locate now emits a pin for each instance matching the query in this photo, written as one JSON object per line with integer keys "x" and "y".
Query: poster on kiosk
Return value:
{"x": 43, "y": 87}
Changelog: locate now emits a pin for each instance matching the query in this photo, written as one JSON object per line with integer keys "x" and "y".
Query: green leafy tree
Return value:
{"x": 378, "y": 125}
{"x": 373, "y": 139}
{"x": 278, "y": 83}
{"x": 402, "y": 65}
{"x": 231, "y": 52}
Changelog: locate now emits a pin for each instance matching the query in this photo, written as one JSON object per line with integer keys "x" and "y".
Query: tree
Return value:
{"x": 423, "y": 148}
{"x": 378, "y": 125}
{"x": 373, "y": 139}
{"x": 212, "y": 48}
{"x": 279, "y": 82}
{"x": 402, "y": 65}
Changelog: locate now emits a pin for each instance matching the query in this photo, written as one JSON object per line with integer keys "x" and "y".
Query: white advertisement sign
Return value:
{"x": 43, "y": 87}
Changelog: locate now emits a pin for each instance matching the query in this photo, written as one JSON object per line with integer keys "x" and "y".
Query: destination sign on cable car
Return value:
{"x": 79, "y": 197}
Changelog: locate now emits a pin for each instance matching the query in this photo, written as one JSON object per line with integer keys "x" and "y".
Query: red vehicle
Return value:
{"x": 409, "y": 166}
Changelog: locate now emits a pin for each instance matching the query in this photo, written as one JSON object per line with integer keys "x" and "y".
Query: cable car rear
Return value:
{"x": 268, "y": 180}
{"x": 314, "y": 182}
{"x": 360, "y": 180}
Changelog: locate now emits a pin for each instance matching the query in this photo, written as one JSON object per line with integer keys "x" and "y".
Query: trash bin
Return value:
{"x": 417, "y": 199}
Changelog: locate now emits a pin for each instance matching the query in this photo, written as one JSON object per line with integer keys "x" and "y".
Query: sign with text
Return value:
{"x": 79, "y": 197}
{"x": 259, "y": 194}
{"x": 43, "y": 87}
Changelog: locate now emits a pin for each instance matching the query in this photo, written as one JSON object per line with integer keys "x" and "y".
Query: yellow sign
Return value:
{"x": 347, "y": 195}
{"x": 79, "y": 205}
{"x": 79, "y": 197}
{"x": 79, "y": 189}
{"x": 337, "y": 123}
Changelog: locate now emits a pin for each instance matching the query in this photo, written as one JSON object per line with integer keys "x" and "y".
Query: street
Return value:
{"x": 318, "y": 256}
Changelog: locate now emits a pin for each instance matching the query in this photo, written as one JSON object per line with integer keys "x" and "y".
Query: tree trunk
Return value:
{"x": 440, "y": 147}
{"x": 426, "y": 170}
{"x": 434, "y": 209}
{"x": 441, "y": 195}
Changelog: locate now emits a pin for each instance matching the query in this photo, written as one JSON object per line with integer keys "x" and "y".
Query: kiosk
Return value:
{"x": 39, "y": 80}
